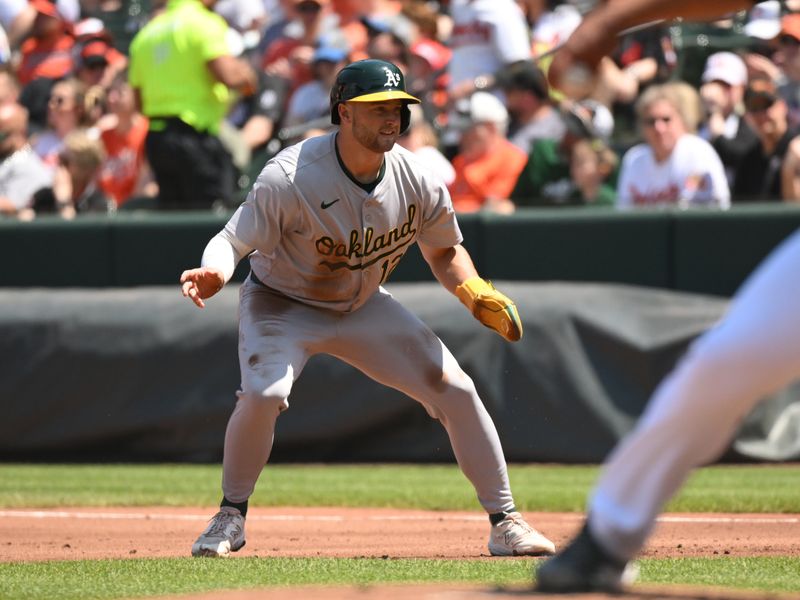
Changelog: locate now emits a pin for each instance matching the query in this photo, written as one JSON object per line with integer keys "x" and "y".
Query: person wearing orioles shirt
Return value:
{"x": 487, "y": 165}
{"x": 125, "y": 172}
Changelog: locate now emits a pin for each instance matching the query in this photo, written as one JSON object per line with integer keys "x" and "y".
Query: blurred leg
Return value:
{"x": 753, "y": 352}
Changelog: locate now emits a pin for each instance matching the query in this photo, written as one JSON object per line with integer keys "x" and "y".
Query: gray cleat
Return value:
{"x": 224, "y": 534}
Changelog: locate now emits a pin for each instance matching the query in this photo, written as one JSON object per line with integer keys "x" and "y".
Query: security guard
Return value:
{"x": 182, "y": 72}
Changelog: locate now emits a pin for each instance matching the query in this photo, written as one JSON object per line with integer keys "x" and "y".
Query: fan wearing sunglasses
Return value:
{"x": 22, "y": 173}
{"x": 672, "y": 167}
{"x": 771, "y": 170}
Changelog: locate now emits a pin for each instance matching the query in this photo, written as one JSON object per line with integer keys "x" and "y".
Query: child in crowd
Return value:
{"x": 592, "y": 165}
{"x": 75, "y": 188}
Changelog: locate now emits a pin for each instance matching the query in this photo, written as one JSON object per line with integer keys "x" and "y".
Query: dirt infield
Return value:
{"x": 91, "y": 533}
{"x": 94, "y": 533}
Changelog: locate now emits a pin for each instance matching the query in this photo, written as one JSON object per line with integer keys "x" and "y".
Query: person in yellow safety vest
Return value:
{"x": 183, "y": 75}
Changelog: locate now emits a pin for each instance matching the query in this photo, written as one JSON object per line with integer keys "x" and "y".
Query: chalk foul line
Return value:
{"x": 155, "y": 516}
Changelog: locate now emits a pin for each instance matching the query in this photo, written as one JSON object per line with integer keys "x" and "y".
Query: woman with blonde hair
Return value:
{"x": 672, "y": 167}
{"x": 66, "y": 112}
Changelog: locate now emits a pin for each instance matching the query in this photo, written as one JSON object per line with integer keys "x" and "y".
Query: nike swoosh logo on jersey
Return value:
{"x": 325, "y": 205}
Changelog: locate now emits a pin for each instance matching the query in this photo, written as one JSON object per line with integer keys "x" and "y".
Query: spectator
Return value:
{"x": 258, "y": 117}
{"x": 22, "y": 173}
{"x": 47, "y": 53}
{"x": 787, "y": 58}
{"x": 551, "y": 22}
{"x": 125, "y": 172}
{"x": 528, "y": 101}
{"x": 280, "y": 17}
{"x": 487, "y": 165}
{"x": 487, "y": 35}
{"x": 425, "y": 19}
{"x": 187, "y": 46}
{"x": 246, "y": 16}
{"x": 9, "y": 88}
{"x": 545, "y": 179}
{"x": 722, "y": 92}
{"x": 121, "y": 19}
{"x": 97, "y": 61}
{"x": 768, "y": 170}
{"x": 75, "y": 188}
{"x": 672, "y": 167}
{"x": 289, "y": 55}
{"x": 764, "y": 20}
{"x": 16, "y": 18}
{"x": 420, "y": 138}
{"x": 311, "y": 101}
{"x": 66, "y": 112}
{"x": 427, "y": 76}
{"x": 389, "y": 39}
{"x": 762, "y": 27}
{"x": 5, "y": 48}
{"x": 350, "y": 26}
{"x": 591, "y": 166}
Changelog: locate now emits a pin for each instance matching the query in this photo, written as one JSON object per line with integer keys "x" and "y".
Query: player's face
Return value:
{"x": 662, "y": 127}
{"x": 376, "y": 125}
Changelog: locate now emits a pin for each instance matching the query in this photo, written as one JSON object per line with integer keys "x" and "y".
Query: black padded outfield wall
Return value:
{"x": 702, "y": 251}
{"x": 140, "y": 374}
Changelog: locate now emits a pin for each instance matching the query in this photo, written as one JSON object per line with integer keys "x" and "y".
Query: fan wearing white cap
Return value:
{"x": 722, "y": 91}
{"x": 488, "y": 164}
{"x": 764, "y": 20}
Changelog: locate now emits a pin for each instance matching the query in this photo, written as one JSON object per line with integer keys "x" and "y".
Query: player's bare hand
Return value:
{"x": 200, "y": 284}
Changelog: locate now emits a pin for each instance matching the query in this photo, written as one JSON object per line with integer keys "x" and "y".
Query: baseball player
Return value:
{"x": 325, "y": 224}
{"x": 752, "y": 352}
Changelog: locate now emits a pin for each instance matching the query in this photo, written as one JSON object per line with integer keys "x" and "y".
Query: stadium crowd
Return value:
{"x": 682, "y": 114}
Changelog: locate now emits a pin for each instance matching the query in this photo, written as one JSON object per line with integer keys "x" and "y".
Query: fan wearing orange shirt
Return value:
{"x": 48, "y": 51}
{"x": 487, "y": 165}
{"x": 125, "y": 172}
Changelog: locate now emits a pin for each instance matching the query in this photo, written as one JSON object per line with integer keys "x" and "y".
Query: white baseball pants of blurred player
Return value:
{"x": 384, "y": 340}
{"x": 752, "y": 352}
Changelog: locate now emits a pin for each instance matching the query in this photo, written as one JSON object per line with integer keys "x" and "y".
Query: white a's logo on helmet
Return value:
{"x": 392, "y": 78}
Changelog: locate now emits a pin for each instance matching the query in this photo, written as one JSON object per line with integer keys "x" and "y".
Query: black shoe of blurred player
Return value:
{"x": 583, "y": 566}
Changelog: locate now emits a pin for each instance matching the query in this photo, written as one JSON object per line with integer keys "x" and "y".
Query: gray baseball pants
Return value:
{"x": 385, "y": 341}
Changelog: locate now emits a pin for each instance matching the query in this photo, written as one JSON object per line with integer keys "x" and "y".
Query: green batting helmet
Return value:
{"x": 371, "y": 80}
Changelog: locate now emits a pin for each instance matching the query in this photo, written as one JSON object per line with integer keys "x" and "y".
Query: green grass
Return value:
{"x": 107, "y": 579}
{"x": 755, "y": 488}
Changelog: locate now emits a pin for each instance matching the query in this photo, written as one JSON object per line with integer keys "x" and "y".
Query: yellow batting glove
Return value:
{"x": 490, "y": 307}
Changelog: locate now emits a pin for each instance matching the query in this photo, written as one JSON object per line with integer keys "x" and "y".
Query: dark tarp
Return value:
{"x": 140, "y": 374}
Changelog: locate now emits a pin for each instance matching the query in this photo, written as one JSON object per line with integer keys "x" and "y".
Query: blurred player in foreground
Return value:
{"x": 326, "y": 222}
{"x": 574, "y": 66}
{"x": 752, "y": 352}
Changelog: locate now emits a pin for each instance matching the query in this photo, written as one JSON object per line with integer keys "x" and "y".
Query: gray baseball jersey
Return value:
{"x": 322, "y": 239}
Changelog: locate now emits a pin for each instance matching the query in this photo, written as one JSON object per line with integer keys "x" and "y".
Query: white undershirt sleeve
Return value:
{"x": 224, "y": 252}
